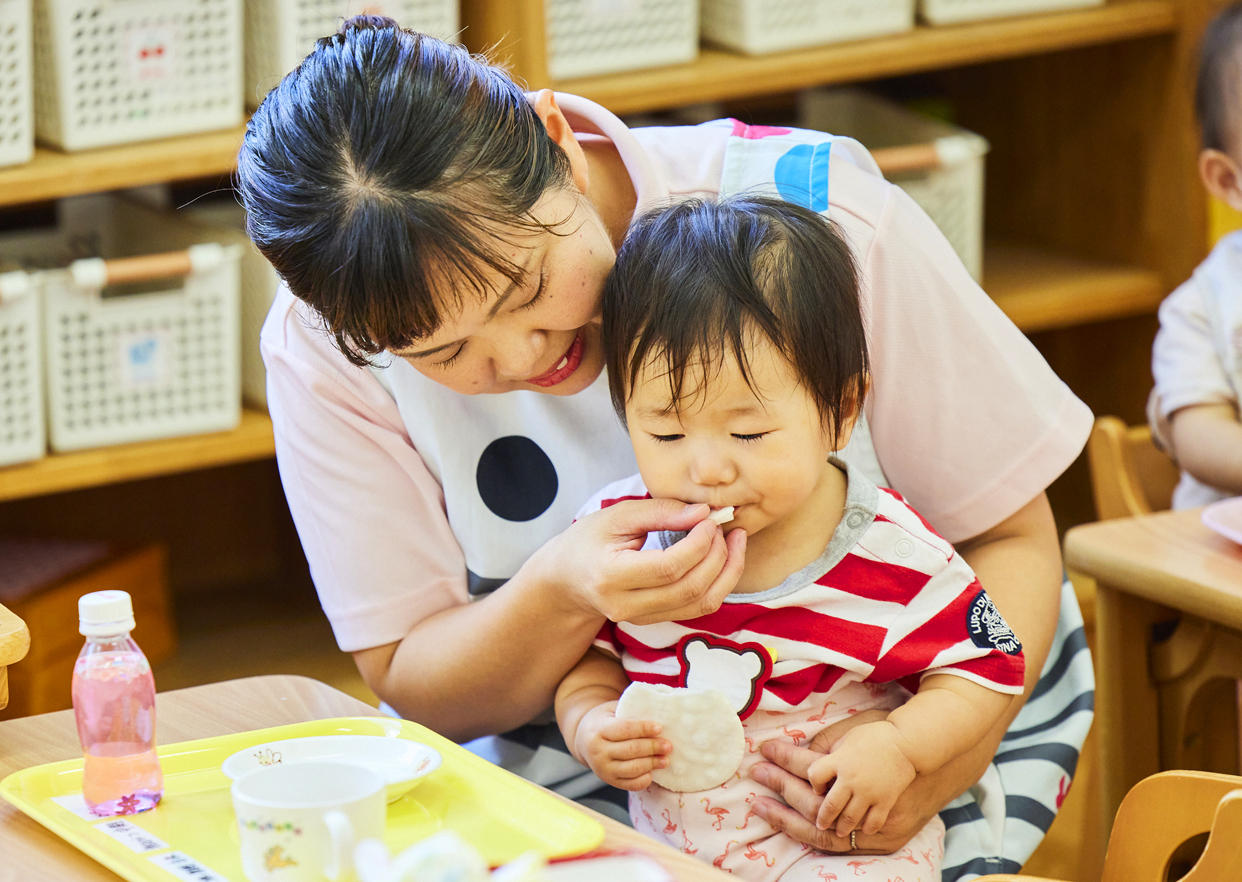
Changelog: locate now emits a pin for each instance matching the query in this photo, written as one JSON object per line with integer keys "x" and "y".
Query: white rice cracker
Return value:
{"x": 721, "y": 516}
{"x": 702, "y": 726}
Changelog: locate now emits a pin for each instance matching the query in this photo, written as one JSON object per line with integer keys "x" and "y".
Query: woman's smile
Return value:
{"x": 565, "y": 366}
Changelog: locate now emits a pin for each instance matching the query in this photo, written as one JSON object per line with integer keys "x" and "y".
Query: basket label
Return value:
{"x": 151, "y": 52}
{"x": 131, "y": 835}
{"x": 144, "y": 359}
{"x": 186, "y": 868}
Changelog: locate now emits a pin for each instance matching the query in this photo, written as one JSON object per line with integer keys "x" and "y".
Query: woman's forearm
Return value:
{"x": 483, "y": 667}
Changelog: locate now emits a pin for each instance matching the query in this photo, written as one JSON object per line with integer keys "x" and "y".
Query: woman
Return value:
{"x": 445, "y": 238}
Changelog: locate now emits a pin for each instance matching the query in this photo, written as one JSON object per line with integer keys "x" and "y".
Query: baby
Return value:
{"x": 1197, "y": 356}
{"x": 737, "y": 358}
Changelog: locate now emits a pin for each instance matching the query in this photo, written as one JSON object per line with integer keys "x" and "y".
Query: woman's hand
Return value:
{"x": 787, "y": 772}
{"x": 600, "y": 564}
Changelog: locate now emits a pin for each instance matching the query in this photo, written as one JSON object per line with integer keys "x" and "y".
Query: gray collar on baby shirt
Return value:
{"x": 862, "y": 497}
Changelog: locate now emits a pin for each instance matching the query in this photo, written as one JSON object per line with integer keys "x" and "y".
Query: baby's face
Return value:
{"x": 763, "y": 451}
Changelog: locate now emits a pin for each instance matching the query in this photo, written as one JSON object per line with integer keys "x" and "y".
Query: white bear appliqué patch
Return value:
{"x": 739, "y": 670}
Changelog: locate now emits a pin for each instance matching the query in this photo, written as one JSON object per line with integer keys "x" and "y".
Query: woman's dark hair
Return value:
{"x": 696, "y": 282}
{"x": 1216, "y": 91}
{"x": 382, "y": 173}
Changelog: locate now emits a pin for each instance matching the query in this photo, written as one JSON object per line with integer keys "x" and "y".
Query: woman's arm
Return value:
{"x": 1208, "y": 441}
{"x": 1018, "y": 562}
{"x": 492, "y": 665}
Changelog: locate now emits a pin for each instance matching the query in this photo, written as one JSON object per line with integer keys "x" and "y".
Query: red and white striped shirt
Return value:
{"x": 888, "y": 601}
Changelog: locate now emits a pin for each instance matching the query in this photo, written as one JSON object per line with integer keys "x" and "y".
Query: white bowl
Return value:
{"x": 403, "y": 764}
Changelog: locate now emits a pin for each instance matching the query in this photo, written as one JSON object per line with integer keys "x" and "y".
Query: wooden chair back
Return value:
{"x": 1159, "y": 815}
{"x": 1129, "y": 474}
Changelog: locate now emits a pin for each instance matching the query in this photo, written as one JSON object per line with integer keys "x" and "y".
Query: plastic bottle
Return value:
{"x": 114, "y": 703}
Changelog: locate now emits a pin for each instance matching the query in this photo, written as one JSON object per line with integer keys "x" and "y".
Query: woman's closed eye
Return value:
{"x": 448, "y": 362}
{"x": 530, "y": 304}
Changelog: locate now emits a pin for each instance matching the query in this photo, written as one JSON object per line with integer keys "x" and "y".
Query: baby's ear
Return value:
{"x": 1221, "y": 177}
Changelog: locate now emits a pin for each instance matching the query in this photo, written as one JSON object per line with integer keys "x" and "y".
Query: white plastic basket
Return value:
{"x": 590, "y": 37}
{"x": 938, "y": 164}
{"x": 280, "y": 33}
{"x": 16, "y": 121}
{"x": 22, "y": 435}
{"x": 940, "y": 12}
{"x": 125, "y": 365}
{"x": 116, "y": 71}
{"x": 225, "y": 222}
{"x": 758, "y": 26}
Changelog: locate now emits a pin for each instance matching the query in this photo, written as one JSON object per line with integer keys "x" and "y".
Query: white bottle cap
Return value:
{"x": 105, "y": 613}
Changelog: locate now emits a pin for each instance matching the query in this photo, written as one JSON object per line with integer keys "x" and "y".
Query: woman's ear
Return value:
{"x": 1221, "y": 177}
{"x": 544, "y": 102}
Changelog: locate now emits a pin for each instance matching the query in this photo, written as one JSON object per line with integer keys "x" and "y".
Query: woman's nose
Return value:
{"x": 520, "y": 356}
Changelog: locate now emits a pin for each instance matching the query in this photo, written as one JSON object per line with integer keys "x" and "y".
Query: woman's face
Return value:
{"x": 542, "y": 334}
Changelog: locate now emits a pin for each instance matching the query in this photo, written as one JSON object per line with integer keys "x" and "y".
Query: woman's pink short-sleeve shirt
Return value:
{"x": 967, "y": 420}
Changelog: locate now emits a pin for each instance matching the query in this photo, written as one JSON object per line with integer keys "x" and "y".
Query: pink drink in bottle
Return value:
{"x": 114, "y": 703}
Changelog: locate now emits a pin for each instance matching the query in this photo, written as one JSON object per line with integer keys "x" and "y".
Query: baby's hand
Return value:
{"x": 871, "y": 771}
{"x": 622, "y": 753}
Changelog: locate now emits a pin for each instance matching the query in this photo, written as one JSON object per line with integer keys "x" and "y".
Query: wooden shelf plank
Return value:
{"x": 1041, "y": 291}
{"x": 52, "y": 174}
{"x": 252, "y": 440}
{"x": 719, "y": 75}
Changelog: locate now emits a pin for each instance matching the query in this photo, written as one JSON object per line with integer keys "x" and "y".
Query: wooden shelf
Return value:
{"x": 1041, "y": 291}
{"x": 52, "y": 174}
{"x": 57, "y": 473}
{"x": 1038, "y": 290}
{"x": 718, "y": 75}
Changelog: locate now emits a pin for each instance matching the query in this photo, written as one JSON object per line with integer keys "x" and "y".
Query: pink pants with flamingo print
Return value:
{"x": 718, "y": 826}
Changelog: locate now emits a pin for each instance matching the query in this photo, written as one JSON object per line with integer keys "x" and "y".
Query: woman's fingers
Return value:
{"x": 797, "y": 760}
{"x": 826, "y": 738}
{"x": 635, "y": 518}
{"x": 784, "y": 819}
{"x": 701, "y": 590}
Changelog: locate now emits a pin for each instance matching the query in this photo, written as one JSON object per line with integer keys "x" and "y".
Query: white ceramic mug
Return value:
{"x": 298, "y": 822}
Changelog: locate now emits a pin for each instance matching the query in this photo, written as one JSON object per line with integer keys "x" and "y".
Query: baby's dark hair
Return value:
{"x": 1216, "y": 90}
{"x": 696, "y": 282}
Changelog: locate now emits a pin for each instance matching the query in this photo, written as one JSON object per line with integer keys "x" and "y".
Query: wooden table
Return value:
{"x": 1149, "y": 570}
{"x": 30, "y": 852}
{"x": 14, "y": 641}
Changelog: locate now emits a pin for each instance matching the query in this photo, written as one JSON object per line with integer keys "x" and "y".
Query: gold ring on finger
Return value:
{"x": 853, "y": 840}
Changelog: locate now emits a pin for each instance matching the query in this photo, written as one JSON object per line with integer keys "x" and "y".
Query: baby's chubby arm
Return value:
{"x": 622, "y": 753}
{"x": 875, "y": 762}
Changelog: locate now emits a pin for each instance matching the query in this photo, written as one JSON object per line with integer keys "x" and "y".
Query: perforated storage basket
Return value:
{"x": 225, "y": 222}
{"x": 939, "y": 165}
{"x": 953, "y": 11}
{"x": 115, "y": 71}
{"x": 143, "y": 344}
{"x": 16, "y": 113}
{"x": 22, "y": 436}
{"x": 758, "y": 26}
{"x": 589, "y": 37}
{"x": 280, "y": 33}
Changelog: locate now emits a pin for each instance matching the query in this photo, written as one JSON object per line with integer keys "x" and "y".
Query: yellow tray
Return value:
{"x": 494, "y": 810}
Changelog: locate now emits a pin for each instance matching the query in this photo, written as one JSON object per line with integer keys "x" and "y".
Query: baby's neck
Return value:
{"x": 797, "y": 540}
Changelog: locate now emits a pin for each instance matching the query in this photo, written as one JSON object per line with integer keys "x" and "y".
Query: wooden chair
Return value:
{"x": 1159, "y": 816}
{"x": 14, "y": 641}
{"x": 1129, "y": 474}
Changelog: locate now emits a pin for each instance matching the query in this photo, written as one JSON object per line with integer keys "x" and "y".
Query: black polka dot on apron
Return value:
{"x": 516, "y": 478}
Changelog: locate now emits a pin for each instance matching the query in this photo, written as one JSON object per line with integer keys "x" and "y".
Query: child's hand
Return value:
{"x": 622, "y": 753}
{"x": 871, "y": 771}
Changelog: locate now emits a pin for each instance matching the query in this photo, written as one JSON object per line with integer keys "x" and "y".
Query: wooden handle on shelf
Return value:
{"x": 911, "y": 157}
{"x": 148, "y": 266}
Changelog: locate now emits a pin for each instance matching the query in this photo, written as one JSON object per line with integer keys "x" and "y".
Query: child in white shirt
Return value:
{"x": 1197, "y": 356}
